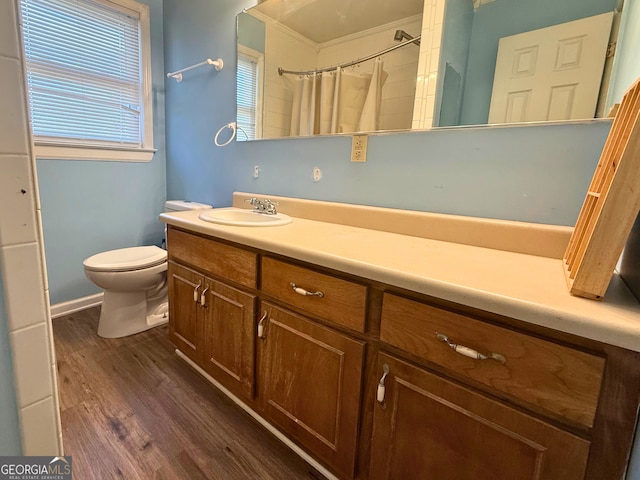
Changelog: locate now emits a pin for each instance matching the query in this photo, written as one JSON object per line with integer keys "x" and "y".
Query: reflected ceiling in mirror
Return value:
{"x": 444, "y": 78}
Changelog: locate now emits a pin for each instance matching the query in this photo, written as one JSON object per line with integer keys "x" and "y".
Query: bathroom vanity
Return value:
{"x": 353, "y": 330}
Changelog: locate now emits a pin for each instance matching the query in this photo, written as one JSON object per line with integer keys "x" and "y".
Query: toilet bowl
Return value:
{"x": 134, "y": 281}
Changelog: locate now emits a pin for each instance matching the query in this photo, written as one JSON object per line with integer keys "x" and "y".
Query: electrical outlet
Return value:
{"x": 256, "y": 171}
{"x": 317, "y": 174}
{"x": 359, "y": 148}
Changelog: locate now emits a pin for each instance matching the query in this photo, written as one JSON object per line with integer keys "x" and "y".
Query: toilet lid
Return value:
{"x": 125, "y": 259}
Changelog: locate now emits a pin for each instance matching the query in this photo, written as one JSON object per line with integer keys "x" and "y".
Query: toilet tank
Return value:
{"x": 182, "y": 205}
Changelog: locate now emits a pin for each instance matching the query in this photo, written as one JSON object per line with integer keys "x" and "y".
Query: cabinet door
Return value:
{"x": 430, "y": 428}
{"x": 185, "y": 331}
{"x": 311, "y": 386}
{"x": 229, "y": 336}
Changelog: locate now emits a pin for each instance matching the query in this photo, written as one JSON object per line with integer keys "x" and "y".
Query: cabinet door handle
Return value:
{"x": 195, "y": 292}
{"x": 203, "y": 297}
{"x": 261, "y": 325}
{"x": 381, "y": 388}
{"x": 469, "y": 352}
{"x": 302, "y": 291}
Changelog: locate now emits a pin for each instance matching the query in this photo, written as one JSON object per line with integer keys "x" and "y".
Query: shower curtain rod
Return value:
{"x": 281, "y": 71}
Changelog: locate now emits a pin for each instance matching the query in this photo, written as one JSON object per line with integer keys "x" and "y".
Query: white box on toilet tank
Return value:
{"x": 182, "y": 205}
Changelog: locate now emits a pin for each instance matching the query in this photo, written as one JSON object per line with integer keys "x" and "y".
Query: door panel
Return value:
{"x": 428, "y": 427}
{"x": 311, "y": 386}
{"x": 229, "y": 338}
{"x": 184, "y": 329}
{"x": 552, "y": 73}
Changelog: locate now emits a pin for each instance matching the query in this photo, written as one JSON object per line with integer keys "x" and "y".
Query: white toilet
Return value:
{"x": 134, "y": 281}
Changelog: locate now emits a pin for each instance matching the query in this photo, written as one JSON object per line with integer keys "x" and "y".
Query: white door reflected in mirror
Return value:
{"x": 551, "y": 73}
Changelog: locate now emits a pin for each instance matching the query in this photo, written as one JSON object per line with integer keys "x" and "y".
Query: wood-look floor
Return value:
{"x": 132, "y": 409}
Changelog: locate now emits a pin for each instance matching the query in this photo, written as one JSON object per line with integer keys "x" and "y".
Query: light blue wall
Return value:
{"x": 502, "y": 18}
{"x": 506, "y": 173}
{"x": 89, "y": 207}
{"x": 456, "y": 39}
{"x": 10, "y": 440}
{"x": 196, "y": 108}
{"x": 626, "y": 67}
{"x": 529, "y": 173}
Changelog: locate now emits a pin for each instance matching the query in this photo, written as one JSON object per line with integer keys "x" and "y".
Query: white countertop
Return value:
{"x": 525, "y": 287}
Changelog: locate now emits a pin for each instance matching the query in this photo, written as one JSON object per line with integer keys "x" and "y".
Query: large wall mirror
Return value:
{"x": 441, "y": 63}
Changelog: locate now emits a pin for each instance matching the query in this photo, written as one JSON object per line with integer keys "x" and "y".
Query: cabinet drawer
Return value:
{"x": 342, "y": 302}
{"x": 543, "y": 374}
{"x": 232, "y": 263}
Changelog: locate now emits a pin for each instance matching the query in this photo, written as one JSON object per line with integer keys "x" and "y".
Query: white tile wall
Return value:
{"x": 39, "y": 426}
{"x": 8, "y": 37}
{"x": 428, "y": 65}
{"x": 287, "y": 50}
{"x": 18, "y": 224}
{"x": 401, "y": 66}
{"x": 24, "y": 275}
{"x": 32, "y": 364}
{"x": 13, "y": 136}
{"x": 22, "y": 266}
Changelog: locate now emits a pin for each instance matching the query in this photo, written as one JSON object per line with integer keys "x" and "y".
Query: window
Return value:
{"x": 89, "y": 78}
{"x": 249, "y": 94}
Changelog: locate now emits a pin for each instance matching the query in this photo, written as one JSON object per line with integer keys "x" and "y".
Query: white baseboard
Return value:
{"x": 274, "y": 431}
{"x": 72, "y": 306}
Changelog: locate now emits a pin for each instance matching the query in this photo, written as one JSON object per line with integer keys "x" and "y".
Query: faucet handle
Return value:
{"x": 263, "y": 206}
{"x": 269, "y": 206}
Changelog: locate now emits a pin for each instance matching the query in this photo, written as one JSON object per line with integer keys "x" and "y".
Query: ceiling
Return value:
{"x": 336, "y": 18}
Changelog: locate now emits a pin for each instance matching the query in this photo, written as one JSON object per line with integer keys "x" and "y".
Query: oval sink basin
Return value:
{"x": 240, "y": 217}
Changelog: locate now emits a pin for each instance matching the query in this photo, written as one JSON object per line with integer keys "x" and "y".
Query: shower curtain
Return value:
{"x": 337, "y": 102}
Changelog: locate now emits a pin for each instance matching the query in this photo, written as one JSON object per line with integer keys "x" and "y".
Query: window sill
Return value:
{"x": 110, "y": 154}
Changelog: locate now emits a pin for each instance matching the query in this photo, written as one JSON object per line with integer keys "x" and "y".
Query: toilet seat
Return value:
{"x": 126, "y": 259}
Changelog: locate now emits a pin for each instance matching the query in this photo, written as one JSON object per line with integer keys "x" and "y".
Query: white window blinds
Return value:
{"x": 247, "y": 96}
{"x": 84, "y": 72}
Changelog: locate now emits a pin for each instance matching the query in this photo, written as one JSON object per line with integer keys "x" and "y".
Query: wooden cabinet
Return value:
{"x": 213, "y": 323}
{"x": 219, "y": 259}
{"x": 443, "y": 429}
{"x": 310, "y": 384}
{"x": 547, "y": 406}
{"x": 428, "y": 427}
{"x": 228, "y": 341}
{"x": 337, "y": 300}
{"x": 542, "y": 375}
{"x": 185, "y": 326}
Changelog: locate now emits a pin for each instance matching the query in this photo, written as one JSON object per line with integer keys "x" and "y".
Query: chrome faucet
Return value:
{"x": 265, "y": 205}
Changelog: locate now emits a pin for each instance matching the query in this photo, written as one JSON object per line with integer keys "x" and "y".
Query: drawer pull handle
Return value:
{"x": 302, "y": 291}
{"x": 469, "y": 352}
{"x": 203, "y": 297}
{"x": 381, "y": 388}
{"x": 261, "y": 325}
{"x": 195, "y": 292}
